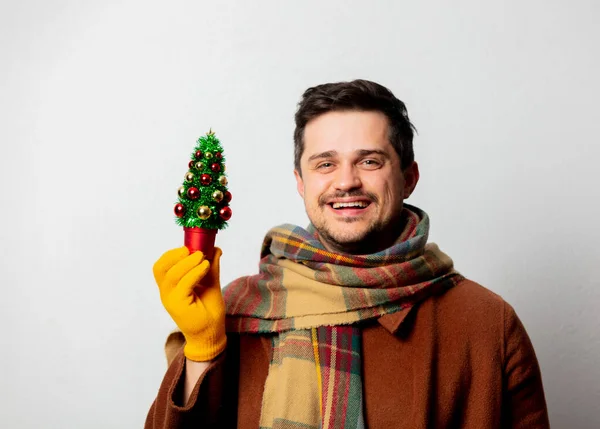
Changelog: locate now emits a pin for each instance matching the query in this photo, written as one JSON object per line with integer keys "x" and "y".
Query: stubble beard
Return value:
{"x": 369, "y": 239}
{"x": 375, "y": 236}
{"x": 350, "y": 241}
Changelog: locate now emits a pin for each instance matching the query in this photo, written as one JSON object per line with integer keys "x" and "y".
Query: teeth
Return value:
{"x": 361, "y": 204}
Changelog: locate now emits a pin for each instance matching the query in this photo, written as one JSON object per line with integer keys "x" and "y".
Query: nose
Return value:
{"x": 347, "y": 178}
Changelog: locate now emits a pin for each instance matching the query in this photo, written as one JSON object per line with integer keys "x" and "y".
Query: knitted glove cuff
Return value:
{"x": 203, "y": 351}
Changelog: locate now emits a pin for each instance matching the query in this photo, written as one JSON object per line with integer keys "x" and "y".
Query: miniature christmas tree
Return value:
{"x": 203, "y": 206}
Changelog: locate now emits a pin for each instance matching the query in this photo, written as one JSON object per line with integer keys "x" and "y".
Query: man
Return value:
{"x": 356, "y": 322}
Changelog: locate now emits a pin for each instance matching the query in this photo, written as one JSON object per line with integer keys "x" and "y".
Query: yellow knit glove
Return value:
{"x": 190, "y": 291}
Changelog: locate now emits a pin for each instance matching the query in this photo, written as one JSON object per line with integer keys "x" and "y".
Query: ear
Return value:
{"x": 411, "y": 177}
{"x": 299, "y": 183}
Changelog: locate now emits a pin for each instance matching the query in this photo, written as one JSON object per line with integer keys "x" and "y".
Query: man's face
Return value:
{"x": 352, "y": 182}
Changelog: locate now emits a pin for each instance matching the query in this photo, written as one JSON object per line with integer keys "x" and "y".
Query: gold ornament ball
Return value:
{"x": 208, "y": 155}
{"x": 199, "y": 165}
{"x": 223, "y": 180}
{"x": 204, "y": 212}
{"x": 189, "y": 176}
{"x": 181, "y": 191}
{"x": 217, "y": 196}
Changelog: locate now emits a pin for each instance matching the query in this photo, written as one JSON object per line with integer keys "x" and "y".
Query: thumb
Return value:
{"x": 215, "y": 266}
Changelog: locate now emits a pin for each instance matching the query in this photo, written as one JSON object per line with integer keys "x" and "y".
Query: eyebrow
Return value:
{"x": 367, "y": 152}
{"x": 326, "y": 154}
{"x": 361, "y": 152}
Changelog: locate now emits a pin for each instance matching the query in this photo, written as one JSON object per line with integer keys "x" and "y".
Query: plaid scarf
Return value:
{"x": 311, "y": 301}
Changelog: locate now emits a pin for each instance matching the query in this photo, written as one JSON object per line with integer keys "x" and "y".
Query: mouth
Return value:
{"x": 349, "y": 208}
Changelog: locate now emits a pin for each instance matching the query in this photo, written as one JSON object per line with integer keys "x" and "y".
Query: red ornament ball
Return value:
{"x": 205, "y": 179}
{"x": 218, "y": 155}
{"x": 225, "y": 213}
{"x": 198, "y": 154}
{"x": 179, "y": 210}
{"x": 215, "y": 167}
{"x": 191, "y": 164}
{"x": 227, "y": 197}
{"x": 193, "y": 193}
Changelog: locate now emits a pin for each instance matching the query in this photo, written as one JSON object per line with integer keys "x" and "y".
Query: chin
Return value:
{"x": 349, "y": 238}
{"x": 345, "y": 240}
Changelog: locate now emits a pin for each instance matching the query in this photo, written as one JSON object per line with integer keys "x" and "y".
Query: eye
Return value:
{"x": 371, "y": 163}
{"x": 324, "y": 165}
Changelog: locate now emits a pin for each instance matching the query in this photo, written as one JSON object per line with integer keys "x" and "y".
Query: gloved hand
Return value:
{"x": 190, "y": 291}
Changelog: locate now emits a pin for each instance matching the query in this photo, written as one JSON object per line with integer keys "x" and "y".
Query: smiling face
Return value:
{"x": 352, "y": 182}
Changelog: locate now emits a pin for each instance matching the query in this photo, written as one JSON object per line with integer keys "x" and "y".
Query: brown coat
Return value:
{"x": 457, "y": 360}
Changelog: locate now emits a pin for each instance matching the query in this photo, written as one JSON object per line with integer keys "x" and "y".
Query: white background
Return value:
{"x": 100, "y": 106}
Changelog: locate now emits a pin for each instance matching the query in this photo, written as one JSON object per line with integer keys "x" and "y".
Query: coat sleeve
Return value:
{"x": 204, "y": 407}
{"x": 524, "y": 404}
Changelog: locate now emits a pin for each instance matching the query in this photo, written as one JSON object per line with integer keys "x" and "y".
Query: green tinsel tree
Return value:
{"x": 203, "y": 197}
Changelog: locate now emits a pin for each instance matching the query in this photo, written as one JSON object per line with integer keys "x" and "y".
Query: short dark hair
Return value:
{"x": 360, "y": 95}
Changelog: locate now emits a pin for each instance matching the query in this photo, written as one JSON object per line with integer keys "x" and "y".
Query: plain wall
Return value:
{"x": 100, "y": 107}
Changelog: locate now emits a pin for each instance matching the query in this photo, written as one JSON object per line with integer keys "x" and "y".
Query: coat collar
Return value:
{"x": 392, "y": 322}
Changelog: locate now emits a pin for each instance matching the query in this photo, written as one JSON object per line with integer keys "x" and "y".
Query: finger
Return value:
{"x": 167, "y": 260}
{"x": 186, "y": 285}
{"x": 180, "y": 269}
